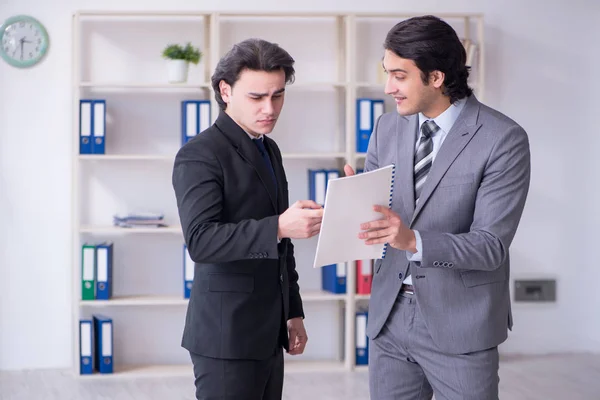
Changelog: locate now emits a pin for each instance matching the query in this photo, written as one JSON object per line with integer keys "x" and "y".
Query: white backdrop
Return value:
{"x": 540, "y": 71}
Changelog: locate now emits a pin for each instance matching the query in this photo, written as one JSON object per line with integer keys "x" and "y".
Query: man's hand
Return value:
{"x": 390, "y": 230}
{"x": 298, "y": 223}
{"x": 297, "y": 335}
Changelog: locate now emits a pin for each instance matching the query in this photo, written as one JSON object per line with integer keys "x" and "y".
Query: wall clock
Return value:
{"x": 23, "y": 41}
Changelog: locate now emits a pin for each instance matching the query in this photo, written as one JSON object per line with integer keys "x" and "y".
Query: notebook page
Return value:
{"x": 349, "y": 202}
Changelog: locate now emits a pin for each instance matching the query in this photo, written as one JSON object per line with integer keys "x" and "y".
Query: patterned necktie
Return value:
{"x": 263, "y": 152}
{"x": 424, "y": 156}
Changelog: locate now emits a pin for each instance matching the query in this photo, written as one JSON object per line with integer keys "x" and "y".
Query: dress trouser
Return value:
{"x": 405, "y": 363}
{"x": 220, "y": 379}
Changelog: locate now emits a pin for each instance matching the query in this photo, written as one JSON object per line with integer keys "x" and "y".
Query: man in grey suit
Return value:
{"x": 232, "y": 196}
{"x": 440, "y": 302}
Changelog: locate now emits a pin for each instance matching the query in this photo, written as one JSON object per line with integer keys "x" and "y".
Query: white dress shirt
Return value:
{"x": 445, "y": 121}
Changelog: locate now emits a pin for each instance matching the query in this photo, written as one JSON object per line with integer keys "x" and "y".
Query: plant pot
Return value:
{"x": 178, "y": 71}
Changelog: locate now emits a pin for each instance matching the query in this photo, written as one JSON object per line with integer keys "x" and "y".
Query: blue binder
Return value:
{"x": 332, "y": 174}
{"x": 103, "y": 357}
{"x": 99, "y": 126}
{"x": 188, "y": 273}
{"x": 317, "y": 184}
{"x": 85, "y": 126}
{"x": 362, "y": 341}
{"x": 333, "y": 278}
{"x": 367, "y": 113}
{"x": 86, "y": 341}
{"x": 318, "y": 180}
{"x": 92, "y": 126}
{"x": 104, "y": 263}
{"x": 195, "y": 118}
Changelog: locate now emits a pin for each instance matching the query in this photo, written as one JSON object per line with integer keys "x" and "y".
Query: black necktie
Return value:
{"x": 263, "y": 152}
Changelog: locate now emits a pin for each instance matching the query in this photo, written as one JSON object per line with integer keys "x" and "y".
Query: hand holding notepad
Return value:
{"x": 349, "y": 203}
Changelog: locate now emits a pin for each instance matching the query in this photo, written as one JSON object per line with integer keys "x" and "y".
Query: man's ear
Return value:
{"x": 225, "y": 90}
{"x": 436, "y": 78}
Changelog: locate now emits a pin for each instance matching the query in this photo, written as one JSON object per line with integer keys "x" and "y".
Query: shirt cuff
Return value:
{"x": 418, "y": 256}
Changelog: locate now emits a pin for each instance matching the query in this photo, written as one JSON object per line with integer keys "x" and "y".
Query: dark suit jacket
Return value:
{"x": 245, "y": 283}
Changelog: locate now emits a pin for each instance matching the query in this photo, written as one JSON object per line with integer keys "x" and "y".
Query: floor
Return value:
{"x": 560, "y": 377}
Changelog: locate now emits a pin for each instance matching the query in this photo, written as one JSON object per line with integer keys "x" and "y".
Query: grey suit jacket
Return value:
{"x": 467, "y": 216}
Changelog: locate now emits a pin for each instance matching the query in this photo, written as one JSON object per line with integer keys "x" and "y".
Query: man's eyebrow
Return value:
{"x": 266, "y": 94}
{"x": 398, "y": 70}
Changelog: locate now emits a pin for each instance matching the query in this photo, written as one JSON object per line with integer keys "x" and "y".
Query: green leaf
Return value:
{"x": 178, "y": 52}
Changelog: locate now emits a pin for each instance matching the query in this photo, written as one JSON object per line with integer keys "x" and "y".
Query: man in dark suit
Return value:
{"x": 232, "y": 196}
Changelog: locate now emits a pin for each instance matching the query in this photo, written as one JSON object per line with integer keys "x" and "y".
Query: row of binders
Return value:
{"x": 333, "y": 277}
{"x": 97, "y": 271}
{"x": 195, "y": 118}
{"x": 96, "y": 345}
{"x": 367, "y": 112}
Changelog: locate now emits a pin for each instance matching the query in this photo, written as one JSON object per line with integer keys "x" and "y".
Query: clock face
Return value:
{"x": 23, "y": 41}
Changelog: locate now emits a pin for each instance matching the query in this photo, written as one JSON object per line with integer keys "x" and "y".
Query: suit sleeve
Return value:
{"x": 295, "y": 300}
{"x": 296, "y": 308}
{"x": 198, "y": 184}
{"x": 498, "y": 209}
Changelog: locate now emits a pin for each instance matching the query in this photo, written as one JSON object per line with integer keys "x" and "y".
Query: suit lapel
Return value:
{"x": 405, "y": 155}
{"x": 461, "y": 133}
{"x": 248, "y": 151}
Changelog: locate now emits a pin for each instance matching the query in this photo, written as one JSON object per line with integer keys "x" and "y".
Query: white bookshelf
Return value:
{"x": 140, "y": 159}
{"x": 128, "y": 301}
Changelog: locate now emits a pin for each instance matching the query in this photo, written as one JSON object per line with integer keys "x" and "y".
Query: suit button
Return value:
{"x": 436, "y": 263}
{"x": 281, "y": 278}
{"x": 400, "y": 275}
{"x": 445, "y": 265}
{"x": 450, "y": 265}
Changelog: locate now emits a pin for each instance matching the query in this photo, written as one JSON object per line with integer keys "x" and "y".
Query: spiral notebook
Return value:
{"x": 349, "y": 202}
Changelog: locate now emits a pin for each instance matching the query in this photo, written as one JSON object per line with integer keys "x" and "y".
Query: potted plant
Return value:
{"x": 178, "y": 59}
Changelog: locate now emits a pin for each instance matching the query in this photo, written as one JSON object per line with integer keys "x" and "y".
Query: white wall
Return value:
{"x": 540, "y": 71}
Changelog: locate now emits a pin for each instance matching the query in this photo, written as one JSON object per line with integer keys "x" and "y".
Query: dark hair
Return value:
{"x": 433, "y": 45}
{"x": 252, "y": 54}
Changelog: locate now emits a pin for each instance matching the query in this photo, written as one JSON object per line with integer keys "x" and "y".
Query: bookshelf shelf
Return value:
{"x": 328, "y": 84}
{"x": 126, "y": 157}
{"x": 370, "y": 85}
{"x": 128, "y": 301}
{"x": 108, "y": 229}
{"x": 136, "y": 301}
{"x": 143, "y": 85}
{"x": 171, "y": 158}
{"x": 308, "y": 156}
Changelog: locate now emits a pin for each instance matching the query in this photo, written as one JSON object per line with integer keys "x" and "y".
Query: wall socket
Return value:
{"x": 535, "y": 290}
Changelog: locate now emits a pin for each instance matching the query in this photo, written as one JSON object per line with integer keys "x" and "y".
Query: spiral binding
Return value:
{"x": 385, "y": 246}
